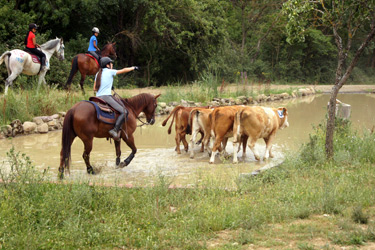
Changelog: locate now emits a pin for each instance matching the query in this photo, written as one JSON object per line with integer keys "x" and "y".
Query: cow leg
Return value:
{"x": 224, "y": 143}
{"x": 268, "y": 142}
{"x": 216, "y": 148}
{"x": 235, "y": 158}
{"x": 183, "y": 139}
{"x": 86, "y": 155}
{"x": 251, "y": 145}
{"x": 118, "y": 152}
{"x": 192, "y": 141}
{"x": 178, "y": 141}
{"x": 201, "y": 141}
{"x": 244, "y": 144}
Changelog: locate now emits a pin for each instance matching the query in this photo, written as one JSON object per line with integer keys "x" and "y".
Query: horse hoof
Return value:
{"x": 121, "y": 165}
{"x": 90, "y": 171}
{"x": 61, "y": 176}
{"x": 117, "y": 161}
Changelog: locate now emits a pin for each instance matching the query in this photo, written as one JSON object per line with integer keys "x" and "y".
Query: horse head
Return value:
{"x": 150, "y": 109}
{"x": 60, "y": 49}
{"x": 109, "y": 50}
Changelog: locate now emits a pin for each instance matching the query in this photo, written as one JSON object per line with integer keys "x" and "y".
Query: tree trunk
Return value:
{"x": 340, "y": 81}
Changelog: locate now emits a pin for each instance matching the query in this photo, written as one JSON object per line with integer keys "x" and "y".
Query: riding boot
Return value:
{"x": 116, "y": 131}
{"x": 43, "y": 62}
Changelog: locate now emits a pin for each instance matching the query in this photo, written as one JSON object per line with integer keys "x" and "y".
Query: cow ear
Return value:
{"x": 157, "y": 96}
{"x": 284, "y": 111}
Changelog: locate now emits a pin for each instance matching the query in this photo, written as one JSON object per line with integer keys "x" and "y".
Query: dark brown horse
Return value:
{"x": 87, "y": 65}
{"x": 81, "y": 121}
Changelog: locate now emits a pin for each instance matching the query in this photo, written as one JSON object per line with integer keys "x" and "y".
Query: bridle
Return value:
{"x": 143, "y": 123}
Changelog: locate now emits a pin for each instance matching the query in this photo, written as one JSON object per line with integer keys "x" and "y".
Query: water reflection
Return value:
{"x": 156, "y": 156}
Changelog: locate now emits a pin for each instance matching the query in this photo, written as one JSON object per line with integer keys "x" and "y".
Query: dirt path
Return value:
{"x": 232, "y": 87}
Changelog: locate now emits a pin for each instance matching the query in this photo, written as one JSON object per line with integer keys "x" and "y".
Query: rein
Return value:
{"x": 143, "y": 123}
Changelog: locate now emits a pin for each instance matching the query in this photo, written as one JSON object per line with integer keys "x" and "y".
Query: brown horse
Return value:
{"x": 81, "y": 121}
{"x": 87, "y": 65}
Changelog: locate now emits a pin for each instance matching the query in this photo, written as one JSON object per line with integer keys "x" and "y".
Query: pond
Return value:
{"x": 156, "y": 157}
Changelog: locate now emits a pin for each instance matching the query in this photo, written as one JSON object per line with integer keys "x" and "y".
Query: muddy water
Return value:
{"x": 156, "y": 157}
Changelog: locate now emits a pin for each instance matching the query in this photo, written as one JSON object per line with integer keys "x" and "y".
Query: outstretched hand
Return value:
{"x": 136, "y": 68}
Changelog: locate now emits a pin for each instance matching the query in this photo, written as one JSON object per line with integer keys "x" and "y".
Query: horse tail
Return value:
{"x": 67, "y": 135}
{"x": 73, "y": 70}
{"x": 4, "y": 55}
{"x": 174, "y": 114}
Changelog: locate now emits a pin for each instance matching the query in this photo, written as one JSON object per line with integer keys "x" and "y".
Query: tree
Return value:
{"x": 345, "y": 20}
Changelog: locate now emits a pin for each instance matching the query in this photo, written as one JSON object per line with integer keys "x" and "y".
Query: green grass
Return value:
{"x": 38, "y": 214}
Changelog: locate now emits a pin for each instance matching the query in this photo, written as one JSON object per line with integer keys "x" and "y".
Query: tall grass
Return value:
{"x": 40, "y": 215}
{"x": 25, "y": 104}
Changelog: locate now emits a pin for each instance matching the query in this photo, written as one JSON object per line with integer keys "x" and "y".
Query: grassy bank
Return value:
{"x": 306, "y": 203}
{"x": 24, "y": 104}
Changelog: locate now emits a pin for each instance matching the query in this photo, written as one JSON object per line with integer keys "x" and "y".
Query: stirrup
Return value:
{"x": 115, "y": 135}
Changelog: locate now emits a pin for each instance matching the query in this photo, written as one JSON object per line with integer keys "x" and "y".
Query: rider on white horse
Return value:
{"x": 31, "y": 45}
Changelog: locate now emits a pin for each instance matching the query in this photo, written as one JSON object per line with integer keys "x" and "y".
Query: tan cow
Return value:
{"x": 182, "y": 127}
{"x": 200, "y": 123}
{"x": 256, "y": 123}
{"x": 222, "y": 120}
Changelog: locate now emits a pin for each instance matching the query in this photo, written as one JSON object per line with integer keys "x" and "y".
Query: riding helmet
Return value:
{"x": 33, "y": 26}
{"x": 96, "y": 30}
{"x": 104, "y": 61}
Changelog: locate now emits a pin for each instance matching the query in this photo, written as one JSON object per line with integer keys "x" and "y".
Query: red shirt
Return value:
{"x": 30, "y": 43}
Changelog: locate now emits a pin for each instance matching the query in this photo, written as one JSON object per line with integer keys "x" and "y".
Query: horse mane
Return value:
{"x": 50, "y": 44}
{"x": 138, "y": 100}
{"x": 106, "y": 46}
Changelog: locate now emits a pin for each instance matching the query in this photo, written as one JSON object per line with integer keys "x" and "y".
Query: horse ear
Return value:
{"x": 114, "y": 43}
{"x": 156, "y": 97}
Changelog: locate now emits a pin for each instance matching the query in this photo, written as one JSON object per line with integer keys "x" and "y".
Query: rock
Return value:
{"x": 42, "y": 128}
{"x": 162, "y": 105}
{"x": 38, "y": 120}
{"x": 6, "y": 130}
{"x": 29, "y": 127}
{"x": 62, "y": 114}
{"x": 55, "y": 116}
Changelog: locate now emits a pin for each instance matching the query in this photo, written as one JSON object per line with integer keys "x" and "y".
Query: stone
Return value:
{"x": 42, "y": 128}
{"x": 29, "y": 127}
{"x": 55, "y": 116}
{"x": 38, "y": 120}
{"x": 162, "y": 105}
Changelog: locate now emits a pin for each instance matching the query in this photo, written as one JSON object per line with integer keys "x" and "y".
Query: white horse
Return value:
{"x": 18, "y": 61}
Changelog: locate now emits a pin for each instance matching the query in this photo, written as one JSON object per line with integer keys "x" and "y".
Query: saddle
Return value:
{"x": 35, "y": 58}
{"x": 105, "y": 112}
{"x": 94, "y": 56}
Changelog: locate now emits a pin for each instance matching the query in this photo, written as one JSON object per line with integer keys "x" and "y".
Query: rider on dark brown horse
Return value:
{"x": 93, "y": 44}
{"x": 103, "y": 85}
{"x": 31, "y": 45}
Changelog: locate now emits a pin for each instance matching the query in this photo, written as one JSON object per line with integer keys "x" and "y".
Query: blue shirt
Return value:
{"x": 106, "y": 82}
{"x": 91, "y": 44}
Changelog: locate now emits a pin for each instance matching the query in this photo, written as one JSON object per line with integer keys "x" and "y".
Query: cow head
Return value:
{"x": 283, "y": 115}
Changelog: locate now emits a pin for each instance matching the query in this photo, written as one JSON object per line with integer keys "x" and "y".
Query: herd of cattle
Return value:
{"x": 244, "y": 123}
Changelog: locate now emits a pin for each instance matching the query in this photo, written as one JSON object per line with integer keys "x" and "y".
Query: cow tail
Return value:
{"x": 73, "y": 71}
{"x": 236, "y": 126}
{"x": 174, "y": 114}
{"x": 211, "y": 119}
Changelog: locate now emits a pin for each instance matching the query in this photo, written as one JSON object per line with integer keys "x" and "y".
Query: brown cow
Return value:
{"x": 200, "y": 123}
{"x": 181, "y": 115}
{"x": 222, "y": 119}
{"x": 256, "y": 123}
